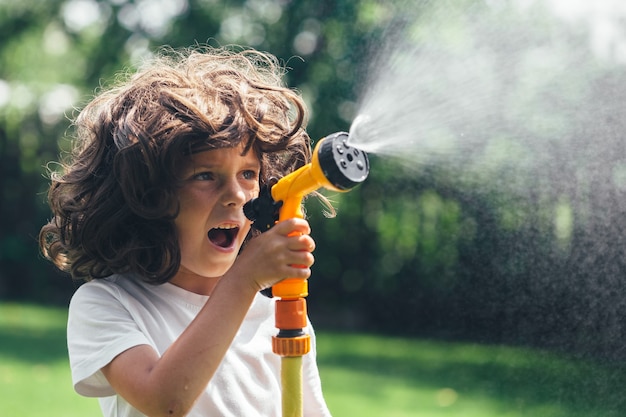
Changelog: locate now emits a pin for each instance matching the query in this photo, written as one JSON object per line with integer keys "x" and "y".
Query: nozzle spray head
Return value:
{"x": 343, "y": 165}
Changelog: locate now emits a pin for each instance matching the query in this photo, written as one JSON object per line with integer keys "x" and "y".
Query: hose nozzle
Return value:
{"x": 336, "y": 165}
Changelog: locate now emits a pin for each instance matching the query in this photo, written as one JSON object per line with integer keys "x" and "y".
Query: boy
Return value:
{"x": 149, "y": 212}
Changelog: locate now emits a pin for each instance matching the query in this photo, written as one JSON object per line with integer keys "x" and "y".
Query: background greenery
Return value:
{"x": 512, "y": 254}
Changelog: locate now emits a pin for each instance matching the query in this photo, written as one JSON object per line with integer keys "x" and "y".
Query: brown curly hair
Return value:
{"x": 115, "y": 201}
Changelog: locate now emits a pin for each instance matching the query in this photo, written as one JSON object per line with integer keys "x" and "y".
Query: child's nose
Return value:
{"x": 233, "y": 194}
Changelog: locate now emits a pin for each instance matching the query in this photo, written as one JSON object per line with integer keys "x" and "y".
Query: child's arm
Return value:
{"x": 169, "y": 385}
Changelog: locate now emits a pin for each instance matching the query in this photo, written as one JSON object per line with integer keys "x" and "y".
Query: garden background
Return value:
{"x": 511, "y": 238}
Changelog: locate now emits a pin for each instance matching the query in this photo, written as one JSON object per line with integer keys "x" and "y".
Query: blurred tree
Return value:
{"x": 490, "y": 244}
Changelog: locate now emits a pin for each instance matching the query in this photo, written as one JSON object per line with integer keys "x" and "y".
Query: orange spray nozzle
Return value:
{"x": 337, "y": 166}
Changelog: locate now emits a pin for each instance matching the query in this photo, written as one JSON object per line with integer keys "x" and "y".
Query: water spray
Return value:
{"x": 336, "y": 166}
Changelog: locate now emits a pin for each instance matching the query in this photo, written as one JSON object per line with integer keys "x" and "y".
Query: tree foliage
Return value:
{"x": 516, "y": 237}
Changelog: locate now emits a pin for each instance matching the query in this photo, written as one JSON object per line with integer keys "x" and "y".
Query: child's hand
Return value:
{"x": 282, "y": 252}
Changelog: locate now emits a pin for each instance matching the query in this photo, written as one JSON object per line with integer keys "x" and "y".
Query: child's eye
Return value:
{"x": 250, "y": 174}
{"x": 204, "y": 176}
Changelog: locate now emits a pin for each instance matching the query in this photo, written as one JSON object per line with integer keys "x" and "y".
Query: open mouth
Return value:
{"x": 223, "y": 236}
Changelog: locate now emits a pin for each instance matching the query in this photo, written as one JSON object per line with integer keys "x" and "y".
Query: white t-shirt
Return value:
{"x": 109, "y": 316}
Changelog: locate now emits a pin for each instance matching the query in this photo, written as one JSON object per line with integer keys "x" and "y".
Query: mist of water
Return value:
{"x": 487, "y": 91}
{"x": 508, "y": 99}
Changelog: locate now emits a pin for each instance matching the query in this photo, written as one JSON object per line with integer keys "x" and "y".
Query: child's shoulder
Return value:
{"x": 114, "y": 287}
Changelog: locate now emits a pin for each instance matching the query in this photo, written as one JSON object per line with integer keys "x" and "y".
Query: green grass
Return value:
{"x": 362, "y": 376}
{"x": 34, "y": 372}
{"x": 391, "y": 377}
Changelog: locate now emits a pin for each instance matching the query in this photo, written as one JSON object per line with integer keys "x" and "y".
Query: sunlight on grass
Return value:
{"x": 34, "y": 372}
{"x": 365, "y": 376}
{"x": 41, "y": 390}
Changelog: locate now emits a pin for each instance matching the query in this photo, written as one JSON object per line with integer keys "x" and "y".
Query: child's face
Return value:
{"x": 211, "y": 225}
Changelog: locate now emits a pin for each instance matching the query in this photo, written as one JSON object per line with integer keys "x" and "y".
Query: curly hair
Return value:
{"x": 115, "y": 199}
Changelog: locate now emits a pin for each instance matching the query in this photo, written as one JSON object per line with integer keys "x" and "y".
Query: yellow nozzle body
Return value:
{"x": 292, "y": 188}
{"x": 336, "y": 166}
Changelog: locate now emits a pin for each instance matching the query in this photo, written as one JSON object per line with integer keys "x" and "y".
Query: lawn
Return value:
{"x": 363, "y": 375}
{"x": 391, "y": 377}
